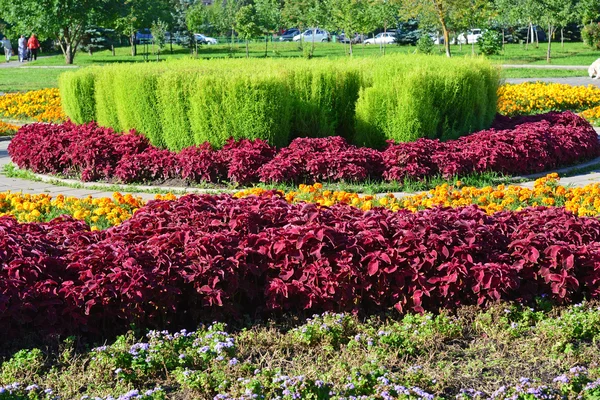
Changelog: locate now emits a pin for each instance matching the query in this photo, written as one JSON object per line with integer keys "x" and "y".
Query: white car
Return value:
{"x": 320, "y": 35}
{"x": 472, "y": 36}
{"x": 200, "y": 38}
{"x": 382, "y": 38}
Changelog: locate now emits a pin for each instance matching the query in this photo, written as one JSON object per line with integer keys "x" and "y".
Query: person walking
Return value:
{"x": 22, "y": 48}
{"x": 33, "y": 45}
{"x": 7, "y": 48}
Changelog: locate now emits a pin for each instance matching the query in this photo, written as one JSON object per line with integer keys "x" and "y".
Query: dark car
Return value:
{"x": 289, "y": 34}
{"x": 143, "y": 36}
{"x": 354, "y": 40}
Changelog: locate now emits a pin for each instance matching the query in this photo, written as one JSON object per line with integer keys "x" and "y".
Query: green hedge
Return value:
{"x": 181, "y": 103}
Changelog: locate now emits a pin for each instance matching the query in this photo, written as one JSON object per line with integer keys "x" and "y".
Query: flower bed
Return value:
{"x": 40, "y": 105}
{"x": 97, "y": 213}
{"x": 335, "y": 356}
{"x": 181, "y": 261}
{"x": 7, "y": 129}
{"x": 582, "y": 201}
{"x": 101, "y": 213}
{"x": 539, "y": 97}
{"x": 517, "y": 146}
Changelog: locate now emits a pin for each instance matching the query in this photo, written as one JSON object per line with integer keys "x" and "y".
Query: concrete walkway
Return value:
{"x": 14, "y": 62}
{"x": 574, "y": 81}
{"x": 26, "y": 186}
{"x": 545, "y": 66}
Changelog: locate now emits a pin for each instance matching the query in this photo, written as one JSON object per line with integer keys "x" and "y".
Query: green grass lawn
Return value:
{"x": 542, "y": 73}
{"x": 21, "y": 79}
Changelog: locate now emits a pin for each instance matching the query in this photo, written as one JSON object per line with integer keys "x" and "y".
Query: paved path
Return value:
{"x": 26, "y": 186}
{"x": 14, "y": 62}
{"x": 545, "y": 66}
{"x": 575, "y": 81}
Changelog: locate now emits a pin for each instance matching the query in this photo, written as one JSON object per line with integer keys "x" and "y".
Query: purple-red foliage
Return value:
{"x": 207, "y": 256}
{"x": 148, "y": 166}
{"x": 202, "y": 164}
{"x": 518, "y": 145}
{"x": 245, "y": 157}
{"x": 322, "y": 159}
{"x": 527, "y": 145}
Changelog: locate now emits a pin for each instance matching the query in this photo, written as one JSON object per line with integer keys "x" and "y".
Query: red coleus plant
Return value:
{"x": 199, "y": 257}
{"x": 514, "y": 146}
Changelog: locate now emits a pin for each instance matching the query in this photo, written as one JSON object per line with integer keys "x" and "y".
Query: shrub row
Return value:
{"x": 516, "y": 146}
{"x": 181, "y": 104}
{"x": 177, "y": 262}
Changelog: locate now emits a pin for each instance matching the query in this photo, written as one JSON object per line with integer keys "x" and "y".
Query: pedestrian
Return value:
{"x": 22, "y": 48}
{"x": 33, "y": 45}
{"x": 7, "y": 48}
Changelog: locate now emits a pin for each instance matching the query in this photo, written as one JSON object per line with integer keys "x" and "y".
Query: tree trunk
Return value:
{"x": 562, "y": 38}
{"x": 247, "y": 50}
{"x": 133, "y": 46}
{"x": 503, "y": 37}
{"x": 537, "y": 40}
{"x": 446, "y": 38}
{"x": 112, "y": 49}
{"x": 266, "y": 45}
{"x": 312, "y": 49}
{"x": 527, "y": 40}
{"x": 69, "y": 54}
{"x": 549, "y": 43}
{"x": 350, "y": 42}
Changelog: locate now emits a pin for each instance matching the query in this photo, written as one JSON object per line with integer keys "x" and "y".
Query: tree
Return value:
{"x": 566, "y": 15}
{"x": 179, "y": 14}
{"x": 247, "y": 24}
{"x": 588, "y": 11}
{"x": 307, "y": 13}
{"x": 65, "y": 21}
{"x": 441, "y": 10}
{"x": 385, "y": 12}
{"x": 268, "y": 13}
{"x": 550, "y": 13}
{"x": 346, "y": 15}
{"x": 159, "y": 34}
{"x": 138, "y": 14}
{"x": 506, "y": 15}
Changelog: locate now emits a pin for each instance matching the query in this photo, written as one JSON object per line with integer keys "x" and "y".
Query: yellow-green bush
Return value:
{"x": 181, "y": 103}
{"x": 430, "y": 98}
{"x": 77, "y": 96}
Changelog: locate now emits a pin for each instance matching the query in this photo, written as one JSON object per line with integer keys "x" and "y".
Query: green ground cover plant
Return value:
{"x": 367, "y": 101}
{"x": 469, "y": 354}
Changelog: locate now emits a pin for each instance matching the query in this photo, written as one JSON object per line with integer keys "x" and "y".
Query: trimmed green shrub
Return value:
{"x": 181, "y": 103}
{"x": 240, "y": 106}
{"x": 105, "y": 97}
{"x": 436, "y": 100}
{"x": 137, "y": 105}
{"x": 324, "y": 98}
{"x": 77, "y": 96}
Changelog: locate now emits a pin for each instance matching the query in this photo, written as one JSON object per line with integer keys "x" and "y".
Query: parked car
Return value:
{"x": 201, "y": 39}
{"x": 472, "y": 36}
{"x": 357, "y": 38}
{"x": 143, "y": 36}
{"x": 289, "y": 34}
{"x": 382, "y": 38}
{"x": 320, "y": 35}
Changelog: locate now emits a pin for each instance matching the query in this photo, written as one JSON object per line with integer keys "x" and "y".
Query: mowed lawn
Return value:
{"x": 23, "y": 79}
